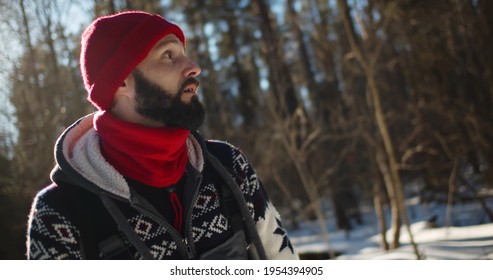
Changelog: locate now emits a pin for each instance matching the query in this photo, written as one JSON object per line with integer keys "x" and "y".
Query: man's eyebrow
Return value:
{"x": 166, "y": 42}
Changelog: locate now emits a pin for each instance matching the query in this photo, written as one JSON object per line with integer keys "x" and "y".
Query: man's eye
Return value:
{"x": 168, "y": 55}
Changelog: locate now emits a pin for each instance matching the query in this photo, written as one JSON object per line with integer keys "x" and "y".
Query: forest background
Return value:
{"x": 338, "y": 103}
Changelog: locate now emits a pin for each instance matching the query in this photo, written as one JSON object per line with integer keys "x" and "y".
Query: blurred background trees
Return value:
{"x": 336, "y": 102}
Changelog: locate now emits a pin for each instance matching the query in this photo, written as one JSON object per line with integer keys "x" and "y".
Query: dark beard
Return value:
{"x": 157, "y": 104}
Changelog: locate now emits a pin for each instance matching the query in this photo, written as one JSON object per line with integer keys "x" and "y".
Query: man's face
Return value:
{"x": 168, "y": 108}
{"x": 165, "y": 87}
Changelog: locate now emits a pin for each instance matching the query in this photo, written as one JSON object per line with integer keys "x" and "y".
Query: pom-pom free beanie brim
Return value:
{"x": 112, "y": 46}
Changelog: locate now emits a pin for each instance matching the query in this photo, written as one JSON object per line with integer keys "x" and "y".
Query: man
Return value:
{"x": 134, "y": 180}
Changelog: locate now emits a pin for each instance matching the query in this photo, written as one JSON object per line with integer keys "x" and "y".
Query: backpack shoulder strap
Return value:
{"x": 99, "y": 237}
{"x": 232, "y": 190}
{"x": 231, "y": 208}
{"x": 234, "y": 200}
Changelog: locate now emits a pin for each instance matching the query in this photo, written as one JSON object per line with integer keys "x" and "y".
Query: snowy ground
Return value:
{"x": 470, "y": 241}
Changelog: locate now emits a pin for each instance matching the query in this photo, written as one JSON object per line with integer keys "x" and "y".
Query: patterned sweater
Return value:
{"x": 54, "y": 230}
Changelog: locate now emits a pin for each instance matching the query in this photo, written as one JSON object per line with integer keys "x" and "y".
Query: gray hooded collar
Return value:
{"x": 78, "y": 155}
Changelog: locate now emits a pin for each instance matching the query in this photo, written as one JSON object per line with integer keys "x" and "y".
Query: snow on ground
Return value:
{"x": 469, "y": 242}
{"x": 464, "y": 243}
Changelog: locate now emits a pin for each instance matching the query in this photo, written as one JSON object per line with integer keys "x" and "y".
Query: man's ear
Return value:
{"x": 129, "y": 81}
{"x": 127, "y": 88}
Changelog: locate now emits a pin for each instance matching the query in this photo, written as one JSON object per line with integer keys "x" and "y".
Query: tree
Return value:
{"x": 367, "y": 63}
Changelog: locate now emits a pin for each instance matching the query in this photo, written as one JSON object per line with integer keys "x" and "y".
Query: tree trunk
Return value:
{"x": 393, "y": 201}
{"x": 324, "y": 56}
{"x": 280, "y": 79}
{"x": 247, "y": 101}
{"x": 451, "y": 192}
{"x": 378, "y": 196}
{"x": 379, "y": 116}
{"x": 218, "y": 122}
{"x": 304, "y": 58}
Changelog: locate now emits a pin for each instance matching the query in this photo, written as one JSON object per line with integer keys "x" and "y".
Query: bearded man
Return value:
{"x": 135, "y": 180}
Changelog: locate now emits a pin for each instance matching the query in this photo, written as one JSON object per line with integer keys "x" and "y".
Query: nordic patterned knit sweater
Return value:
{"x": 69, "y": 213}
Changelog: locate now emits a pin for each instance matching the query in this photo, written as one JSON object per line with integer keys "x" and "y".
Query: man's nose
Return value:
{"x": 193, "y": 70}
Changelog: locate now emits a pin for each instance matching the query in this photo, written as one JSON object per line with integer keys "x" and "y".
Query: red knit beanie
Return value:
{"x": 111, "y": 48}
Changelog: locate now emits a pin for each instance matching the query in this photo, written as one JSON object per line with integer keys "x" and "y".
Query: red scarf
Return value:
{"x": 154, "y": 156}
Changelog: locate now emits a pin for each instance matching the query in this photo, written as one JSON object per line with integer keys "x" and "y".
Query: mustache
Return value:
{"x": 189, "y": 81}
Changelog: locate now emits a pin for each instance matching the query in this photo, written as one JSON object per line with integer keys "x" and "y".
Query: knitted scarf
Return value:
{"x": 154, "y": 156}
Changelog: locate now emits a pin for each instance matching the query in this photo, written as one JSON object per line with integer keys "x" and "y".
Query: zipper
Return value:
{"x": 197, "y": 180}
{"x": 182, "y": 247}
{"x": 184, "y": 244}
{"x": 190, "y": 254}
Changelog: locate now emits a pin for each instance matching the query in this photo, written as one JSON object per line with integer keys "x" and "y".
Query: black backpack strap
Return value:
{"x": 125, "y": 227}
{"x": 85, "y": 225}
{"x": 243, "y": 213}
{"x": 235, "y": 203}
{"x": 231, "y": 208}
{"x": 99, "y": 237}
